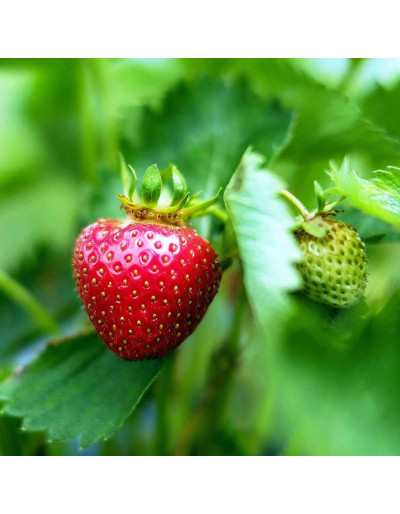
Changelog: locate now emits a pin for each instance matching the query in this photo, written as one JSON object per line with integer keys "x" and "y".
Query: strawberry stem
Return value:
{"x": 217, "y": 212}
{"x": 164, "y": 390}
{"x": 200, "y": 208}
{"x": 296, "y": 203}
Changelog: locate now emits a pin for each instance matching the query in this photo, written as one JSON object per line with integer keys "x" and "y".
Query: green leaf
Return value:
{"x": 204, "y": 128}
{"x": 267, "y": 248}
{"x": 328, "y": 121}
{"x": 268, "y": 253}
{"x": 77, "y": 389}
{"x": 378, "y": 196}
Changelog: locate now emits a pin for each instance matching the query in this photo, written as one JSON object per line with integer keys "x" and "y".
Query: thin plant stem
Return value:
{"x": 88, "y": 130}
{"x": 211, "y": 407}
{"x": 163, "y": 396}
{"x": 234, "y": 336}
{"x": 218, "y": 213}
{"x": 296, "y": 203}
{"x": 109, "y": 135}
{"x": 99, "y": 141}
{"x": 26, "y": 300}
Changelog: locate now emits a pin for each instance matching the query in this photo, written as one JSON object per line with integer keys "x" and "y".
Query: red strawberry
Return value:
{"x": 144, "y": 285}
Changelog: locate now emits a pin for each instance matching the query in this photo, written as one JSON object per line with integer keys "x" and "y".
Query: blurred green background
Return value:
{"x": 331, "y": 382}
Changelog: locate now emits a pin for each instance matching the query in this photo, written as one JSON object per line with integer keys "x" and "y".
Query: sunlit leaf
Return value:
{"x": 267, "y": 248}
{"x": 378, "y": 196}
{"x": 268, "y": 254}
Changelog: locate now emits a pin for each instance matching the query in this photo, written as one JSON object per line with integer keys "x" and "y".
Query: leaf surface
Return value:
{"x": 77, "y": 389}
{"x": 267, "y": 248}
{"x": 378, "y": 196}
{"x": 204, "y": 128}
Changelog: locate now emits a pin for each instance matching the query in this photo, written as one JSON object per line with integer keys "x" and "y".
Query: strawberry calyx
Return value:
{"x": 312, "y": 222}
{"x": 163, "y": 196}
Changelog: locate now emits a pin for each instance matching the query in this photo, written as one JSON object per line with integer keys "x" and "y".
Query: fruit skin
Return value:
{"x": 334, "y": 267}
{"x": 145, "y": 286}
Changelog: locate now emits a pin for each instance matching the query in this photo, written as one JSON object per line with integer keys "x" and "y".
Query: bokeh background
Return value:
{"x": 333, "y": 384}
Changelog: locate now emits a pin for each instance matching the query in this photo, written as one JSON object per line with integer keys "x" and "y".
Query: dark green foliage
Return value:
{"x": 202, "y": 130}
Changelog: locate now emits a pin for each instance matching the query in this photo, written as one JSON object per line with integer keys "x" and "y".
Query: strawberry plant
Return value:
{"x": 234, "y": 284}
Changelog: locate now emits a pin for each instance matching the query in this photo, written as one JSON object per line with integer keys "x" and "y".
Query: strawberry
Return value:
{"x": 145, "y": 282}
{"x": 334, "y": 264}
{"x": 334, "y": 267}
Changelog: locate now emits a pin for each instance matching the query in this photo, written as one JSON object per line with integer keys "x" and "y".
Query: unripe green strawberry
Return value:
{"x": 334, "y": 267}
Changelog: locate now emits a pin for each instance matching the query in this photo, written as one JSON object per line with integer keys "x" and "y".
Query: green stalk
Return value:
{"x": 109, "y": 133}
{"x": 207, "y": 417}
{"x": 218, "y": 213}
{"x": 163, "y": 396}
{"x": 296, "y": 203}
{"x": 200, "y": 208}
{"x": 88, "y": 131}
{"x": 24, "y": 298}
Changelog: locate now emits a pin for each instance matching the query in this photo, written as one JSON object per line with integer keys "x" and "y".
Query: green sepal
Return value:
{"x": 319, "y": 195}
{"x": 314, "y": 228}
{"x": 174, "y": 208}
{"x": 179, "y": 185}
{"x": 151, "y": 186}
{"x": 297, "y": 224}
{"x": 128, "y": 176}
{"x": 182, "y": 204}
